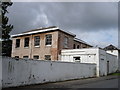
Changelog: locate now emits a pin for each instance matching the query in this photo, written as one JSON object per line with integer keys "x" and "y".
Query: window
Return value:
{"x": 17, "y": 43}
{"x": 74, "y": 46}
{"x": 26, "y": 42}
{"x": 76, "y": 59}
{"x": 16, "y": 56}
{"x": 48, "y": 39}
{"x": 36, "y": 40}
{"x": 36, "y": 57}
{"x": 66, "y": 42}
{"x": 47, "y": 57}
{"x": 78, "y": 46}
{"x": 25, "y": 57}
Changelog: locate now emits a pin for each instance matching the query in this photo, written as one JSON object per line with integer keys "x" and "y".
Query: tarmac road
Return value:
{"x": 101, "y": 82}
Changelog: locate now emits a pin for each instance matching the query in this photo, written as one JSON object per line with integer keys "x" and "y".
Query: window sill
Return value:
{"x": 37, "y": 46}
{"x": 48, "y": 45}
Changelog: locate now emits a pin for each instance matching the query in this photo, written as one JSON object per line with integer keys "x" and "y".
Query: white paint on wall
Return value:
{"x": 117, "y": 53}
{"x": 112, "y": 63}
{"x": 91, "y": 55}
{"x": 25, "y": 72}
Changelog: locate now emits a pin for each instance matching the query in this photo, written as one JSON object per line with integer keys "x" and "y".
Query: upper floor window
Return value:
{"x": 66, "y": 42}
{"x": 36, "y": 40}
{"x": 78, "y": 46}
{"x": 48, "y": 39}
{"x": 17, "y": 43}
{"x": 74, "y": 46}
{"x": 26, "y": 42}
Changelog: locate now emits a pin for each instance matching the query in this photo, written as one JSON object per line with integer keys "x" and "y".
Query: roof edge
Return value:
{"x": 40, "y": 31}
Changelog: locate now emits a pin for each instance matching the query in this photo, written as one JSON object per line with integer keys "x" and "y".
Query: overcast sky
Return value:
{"x": 95, "y": 23}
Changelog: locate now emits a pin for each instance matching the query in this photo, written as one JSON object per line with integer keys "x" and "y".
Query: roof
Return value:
{"x": 81, "y": 41}
{"x": 111, "y": 47}
{"x": 41, "y": 30}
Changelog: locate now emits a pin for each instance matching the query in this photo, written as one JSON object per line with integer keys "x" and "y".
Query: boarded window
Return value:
{"x": 36, "y": 57}
{"x": 36, "y": 40}
{"x": 26, "y": 42}
{"x": 47, "y": 57}
{"x": 17, "y": 43}
{"x": 48, "y": 39}
{"x": 66, "y": 42}
{"x": 25, "y": 57}
{"x": 76, "y": 59}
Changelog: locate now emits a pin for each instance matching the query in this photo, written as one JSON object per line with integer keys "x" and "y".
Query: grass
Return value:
{"x": 118, "y": 74}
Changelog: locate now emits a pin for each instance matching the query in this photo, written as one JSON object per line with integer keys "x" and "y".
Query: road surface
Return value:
{"x": 101, "y": 82}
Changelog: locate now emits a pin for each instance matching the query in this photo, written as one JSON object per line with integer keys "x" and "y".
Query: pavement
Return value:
{"x": 110, "y": 81}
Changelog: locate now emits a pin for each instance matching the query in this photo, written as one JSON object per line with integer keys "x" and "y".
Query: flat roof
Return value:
{"x": 41, "y": 30}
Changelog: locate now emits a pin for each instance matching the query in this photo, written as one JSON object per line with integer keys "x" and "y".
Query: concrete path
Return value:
{"x": 101, "y": 82}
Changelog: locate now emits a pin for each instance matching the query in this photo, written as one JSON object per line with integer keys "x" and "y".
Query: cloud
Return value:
{"x": 79, "y": 18}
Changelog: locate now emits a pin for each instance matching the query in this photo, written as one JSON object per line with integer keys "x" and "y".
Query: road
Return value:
{"x": 101, "y": 82}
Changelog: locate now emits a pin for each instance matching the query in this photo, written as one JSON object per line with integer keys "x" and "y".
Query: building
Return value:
{"x": 44, "y": 43}
{"x": 105, "y": 63}
{"x": 115, "y": 51}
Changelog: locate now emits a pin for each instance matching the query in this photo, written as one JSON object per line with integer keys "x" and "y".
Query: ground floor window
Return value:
{"x": 25, "y": 57}
{"x": 47, "y": 57}
{"x": 16, "y": 56}
{"x": 36, "y": 57}
{"x": 76, "y": 59}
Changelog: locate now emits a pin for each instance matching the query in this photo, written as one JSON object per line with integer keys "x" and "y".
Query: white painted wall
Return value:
{"x": 91, "y": 55}
{"x": 0, "y": 72}
{"x": 117, "y": 53}
{"x": 25, "y": 72}
{"x": 112, "y": 63}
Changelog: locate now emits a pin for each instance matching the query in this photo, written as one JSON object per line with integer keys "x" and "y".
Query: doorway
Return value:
{"x": 107, "y": 67}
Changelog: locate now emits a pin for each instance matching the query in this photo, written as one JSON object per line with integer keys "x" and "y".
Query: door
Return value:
{"x": 107, "y": 67}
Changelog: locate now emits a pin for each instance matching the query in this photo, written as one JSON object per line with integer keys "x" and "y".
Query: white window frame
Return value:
{"x": 36, "y": 40}
{"x": 48, "y": 39}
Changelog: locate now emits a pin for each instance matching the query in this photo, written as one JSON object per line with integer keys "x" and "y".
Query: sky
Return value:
{"x": 94, "y": 22}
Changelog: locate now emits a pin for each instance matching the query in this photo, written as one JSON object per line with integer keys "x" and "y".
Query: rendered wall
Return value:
{"x": 117, "y": 53}
{"x": 112, "y": 63}
{"x": 24, "y": 72}
{"x": 92, "y": 55}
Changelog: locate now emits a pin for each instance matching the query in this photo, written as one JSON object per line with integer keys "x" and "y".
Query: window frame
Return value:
{"x": 35, "y": 56}
{"x": 47, "y": 57}
{"x": 16, "y": 45}
{"x": 74, "y": 58}
{"x": 66, "y": 42}
{"x": 37, "y": 41}
{"x": 26, "y": 46}
{"x": 48, "y": 39}
{"x": 25, "y": 56}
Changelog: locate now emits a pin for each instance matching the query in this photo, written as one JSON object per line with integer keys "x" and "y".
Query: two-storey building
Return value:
{"x": 44, "y": 43}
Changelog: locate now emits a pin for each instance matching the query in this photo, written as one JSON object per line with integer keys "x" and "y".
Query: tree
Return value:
{"x": 6, "y": 29}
